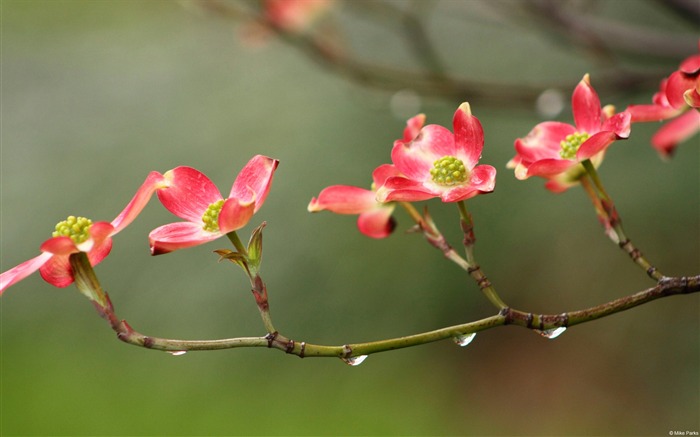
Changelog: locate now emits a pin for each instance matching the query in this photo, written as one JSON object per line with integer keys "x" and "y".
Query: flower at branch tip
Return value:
{"x": 555, "y": 150}
{"x": 439, "y": 163}
{"x": 192, "y": 196}
{"x": 678, "y": 100}
{"x": 294, "y": 15}
{"x": 375, "y": 218}
{"x": 79, "y": 234}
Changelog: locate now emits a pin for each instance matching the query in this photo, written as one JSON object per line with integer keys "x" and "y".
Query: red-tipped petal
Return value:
{"x": 469, "y": 135}
{"x": 676, "y": 131}
{"x": 691, "y": 65}
{"x": 677, "y": 84}
{"x": 415, "y": 159}
{"x": 180, "y": 235}
{"x": 154, "y": 181}
{"x": 586, "y": 107}
{"x": 255, "y": 178}
{"x": 100, "y": 234}
{"x": 549, "y": 167}
{"x": 343, "y": 199}
{"x": 59, "y": 246}
{"x": 16, "y": 274}
{"x": 235, "y": 214}
{"x": 189, "y": 193}
{"x": 593, "y": 145}
{"x": 377, "y": 223}
{"x": 482, "y": 180}
{"x": 384, "y": 172}
{"x": 543, "y": 142}
{"x": 402, "y": 189}
{"x": 413, "y": 127}
{"x": 57, "y": 271}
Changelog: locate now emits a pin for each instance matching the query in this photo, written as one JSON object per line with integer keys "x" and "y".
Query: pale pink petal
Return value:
{"x": 675, "y": 131}
{"x": 413, "y": 127}
{"x": 16, "y": 274}
{"x": 586, "y": 107}
{"x": 469, "y": 136}
{"x": 642, "y": 113}
{"x": 415, "y": 159}
{"x": 343, "y": 199}
{"x": 255, "y": 178}
{"x": 235, "y": 214}
{"x": 549, "y": 167}
{"x": 189, "y": 193}
{"x": 154, "y": 181}
{"x": 180, "y": 235}
{"x": 377, "y": 223}
{"x": 595, "y": 144}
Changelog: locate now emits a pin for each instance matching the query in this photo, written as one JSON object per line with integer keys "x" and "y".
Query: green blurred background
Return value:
{"x": 95, "y": 94}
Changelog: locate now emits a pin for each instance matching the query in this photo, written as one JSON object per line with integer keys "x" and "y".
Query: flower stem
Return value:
{"x": 607, "y": 213}
{"x": 237, "y": 243}
{"x": 474, "y": 269}
{"x": 85, "y": 279}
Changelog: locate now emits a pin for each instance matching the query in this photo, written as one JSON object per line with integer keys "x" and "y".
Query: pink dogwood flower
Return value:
{"x": 678, "y": 101}
{"x": 555, "y": 150}
{"x": 375, "y": 218}
{"x": 439, "y": 163}
{"x": 294, "y": 15}
{"x": 79, "y": 234}
{"x": 192, "y": 196}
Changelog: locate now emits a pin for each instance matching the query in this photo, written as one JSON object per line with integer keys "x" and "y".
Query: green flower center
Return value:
{"x": 448, "y": 171}
{"x": 211, "y": 216}
{"x": 571, "y": 144}
{"x": 76, "y": 228}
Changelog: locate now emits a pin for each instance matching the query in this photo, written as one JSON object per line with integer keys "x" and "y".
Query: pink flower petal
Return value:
{"x": 154, "y": 181}
{"x": 586, "y": 107}
{"x": 413, "y": 127}
{"x": 619, "y": 124}
{"x": 678, "y": 83}
{"x": 189, "y": 193}
{"x": 482, "y": 180}
{"x": 543, "y": 142}
{"x": 595, "y": 144}
{"x": 235, "y": 214}
{"x": 549, "y": 167}
{"x": 692, "y": 97}
{"x": 343, "y": 199}
{"x": 468, "y": 135}
{"x": 254, "y": 180}
{"x": 384, "y": 172}
{"x": 16, "y": 274}
{"x": 415, "y": 159}
{"x": 377, "y": 223}
{"x": 402, "y": 189}
{"x": 676, "y": 131}
{"x": 59, "y": 246}
{"x": 642, "y": 113}
{"x": 100, "y": 234}
{"x": 691, "y": 65}
{"x": 180, "y": 235}
{"x": 57, "y": 271}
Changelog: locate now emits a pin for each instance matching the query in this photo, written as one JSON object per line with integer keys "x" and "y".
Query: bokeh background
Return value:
{"x": 95, "y": 94}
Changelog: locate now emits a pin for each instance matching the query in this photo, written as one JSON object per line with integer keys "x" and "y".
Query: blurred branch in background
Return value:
{"x": 627, "y": 56}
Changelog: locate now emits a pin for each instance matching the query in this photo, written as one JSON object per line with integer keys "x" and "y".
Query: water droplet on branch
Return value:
{"x": 463, "y": 340}
{"x": 551, "y": 334}
{"x": 177, "y": 353}
{"x": 354, "y": 361}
